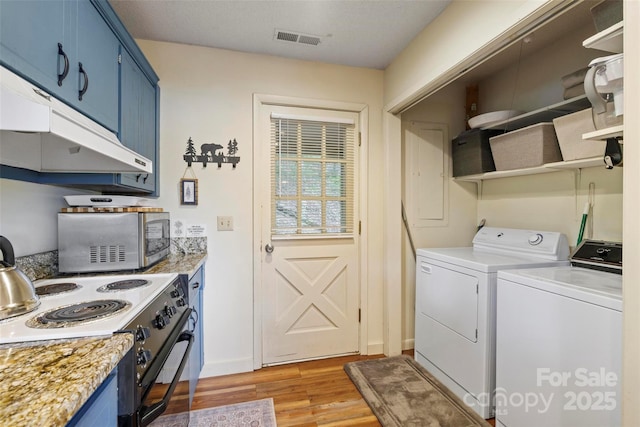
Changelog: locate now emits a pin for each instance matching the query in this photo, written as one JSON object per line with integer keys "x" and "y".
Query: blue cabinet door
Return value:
{"x": 138, "y": 124}
{"x": 101, "y": 410}
{"x": 30, "y": 32}
{"x": 44, "y": 39}
{"x": 98, "y": 50}
{"x": 196, "y": 358}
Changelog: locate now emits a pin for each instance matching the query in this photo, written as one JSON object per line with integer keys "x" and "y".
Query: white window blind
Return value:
{"x": 312, "y": 176}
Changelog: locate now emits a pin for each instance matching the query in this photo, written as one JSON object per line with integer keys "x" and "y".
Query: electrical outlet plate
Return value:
{"x": 225, "y": 223}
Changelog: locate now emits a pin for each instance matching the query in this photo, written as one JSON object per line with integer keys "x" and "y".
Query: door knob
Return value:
{"x": 268, "y": 247}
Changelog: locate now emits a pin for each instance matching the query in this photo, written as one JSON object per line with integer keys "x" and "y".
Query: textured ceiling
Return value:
{"x": 361, "y": 33}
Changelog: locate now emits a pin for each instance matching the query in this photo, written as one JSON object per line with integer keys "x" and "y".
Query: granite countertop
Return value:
{"x": 47, "y": 382}
{"x": 179, "y": 263}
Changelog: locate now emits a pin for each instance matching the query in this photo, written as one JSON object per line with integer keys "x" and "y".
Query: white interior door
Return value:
{"x": 309, "y": 235}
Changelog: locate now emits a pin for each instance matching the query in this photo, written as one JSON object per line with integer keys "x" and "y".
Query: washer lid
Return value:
{"x": 483, "y": 261}
{"x": 596, "y": 287}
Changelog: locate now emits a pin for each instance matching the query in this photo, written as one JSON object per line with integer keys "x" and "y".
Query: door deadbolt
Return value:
{"x": 268, "y": 247}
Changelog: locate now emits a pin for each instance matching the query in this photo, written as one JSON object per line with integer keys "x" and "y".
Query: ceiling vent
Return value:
{"x": 291, "y": 36}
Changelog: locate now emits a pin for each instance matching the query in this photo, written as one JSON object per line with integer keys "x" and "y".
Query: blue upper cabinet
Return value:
{"x": 66, "y": 47}
{"x": 36, "y": 40}
{"x": 138, "y": 125}
{"x": 96, "y": 68}
{"x": 80, "y": 52}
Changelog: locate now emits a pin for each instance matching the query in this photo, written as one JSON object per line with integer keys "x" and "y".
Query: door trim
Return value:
{"x": 259, "y": 101}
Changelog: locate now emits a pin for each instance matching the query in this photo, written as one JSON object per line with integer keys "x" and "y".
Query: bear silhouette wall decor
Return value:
{"x": 211, "y": 153}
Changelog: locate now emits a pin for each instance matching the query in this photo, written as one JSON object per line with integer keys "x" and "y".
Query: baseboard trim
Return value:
{"x": 215, "y": 369}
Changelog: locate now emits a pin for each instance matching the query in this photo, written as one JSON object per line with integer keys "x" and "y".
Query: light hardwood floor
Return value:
{"x": 305, "y": 394}
{"x": 315, "y": 393}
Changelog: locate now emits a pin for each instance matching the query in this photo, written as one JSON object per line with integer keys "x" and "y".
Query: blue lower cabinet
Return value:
{"x": 196, "y": 358}
{"x": 101, "y": 410}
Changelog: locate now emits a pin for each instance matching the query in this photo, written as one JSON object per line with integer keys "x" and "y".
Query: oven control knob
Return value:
{"x": 142, "y": 334}
{"x": 175, "y": 293}
{"x": 143, "y": 357}
{"x": 535, "y": 239}
{"x": 161, "y": 321}
{"x": 170, "y": 310}
{"x": 181, "y": 302}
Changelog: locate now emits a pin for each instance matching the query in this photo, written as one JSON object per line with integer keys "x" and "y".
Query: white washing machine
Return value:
{"x": 559, "y": 342}
{"x": 456, "y": 300}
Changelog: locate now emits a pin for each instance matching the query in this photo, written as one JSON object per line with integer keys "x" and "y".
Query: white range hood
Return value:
{"x": 39, "y": 132}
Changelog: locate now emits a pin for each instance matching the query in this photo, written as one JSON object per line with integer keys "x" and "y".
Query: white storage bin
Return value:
{"x": 525, "y": 148}
{"x": 569, "y": 130}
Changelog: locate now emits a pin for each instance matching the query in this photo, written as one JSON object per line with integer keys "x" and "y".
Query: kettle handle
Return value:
{"x": 598, "y": 103}
{"x": 7, "y": 251}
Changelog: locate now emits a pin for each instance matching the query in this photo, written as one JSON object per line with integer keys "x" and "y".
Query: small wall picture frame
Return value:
{"x": 188, "y": 191}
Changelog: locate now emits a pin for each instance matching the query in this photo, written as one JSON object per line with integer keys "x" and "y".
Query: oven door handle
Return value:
{"x": 150, "y": 413}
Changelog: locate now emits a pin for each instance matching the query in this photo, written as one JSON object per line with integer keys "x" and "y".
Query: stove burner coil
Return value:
{"x": 75, "y": 314}
{"x": 123, "y": 285}
{"x": 56, "y": 288}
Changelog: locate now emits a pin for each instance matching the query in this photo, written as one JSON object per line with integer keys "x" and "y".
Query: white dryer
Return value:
{"x": 456, "y": 300}
{"x": 559, "y": 342}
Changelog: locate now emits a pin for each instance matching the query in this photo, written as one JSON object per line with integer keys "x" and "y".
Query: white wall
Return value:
{"x": 535, "y": 81}
{"x": 207, "y": 94}
{"x": 464, "y": 29}
{"x": 458, "y": 228}
{"x": 555, "y": 202}
{"x": 28, "y": 215}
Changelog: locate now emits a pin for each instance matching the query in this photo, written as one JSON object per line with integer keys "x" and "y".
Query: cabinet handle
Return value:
{"x": 86, "y": 82}
{"x": 144, "y": 180}
{"x": 65, "y": 71}
{"x": 195, "y": 285}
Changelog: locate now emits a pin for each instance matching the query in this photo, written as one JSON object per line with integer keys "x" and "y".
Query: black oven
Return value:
{"x": 161, "y": 334}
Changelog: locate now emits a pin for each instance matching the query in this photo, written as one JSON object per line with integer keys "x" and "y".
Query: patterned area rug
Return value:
{"x": 257, "y": 413}
{"x": 400, "y": 392}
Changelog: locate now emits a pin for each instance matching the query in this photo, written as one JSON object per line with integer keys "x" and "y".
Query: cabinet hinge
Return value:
{"x": 359, "y": 227}
{"x": 119, "y": 58}
{"x": 360, "y": 316}
{"x": 359, "y": 139}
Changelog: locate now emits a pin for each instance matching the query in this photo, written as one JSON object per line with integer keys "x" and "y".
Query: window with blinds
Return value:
{"x": 312, "y": 176}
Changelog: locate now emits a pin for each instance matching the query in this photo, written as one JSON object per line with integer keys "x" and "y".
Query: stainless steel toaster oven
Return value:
{"x": 111, "y": 241}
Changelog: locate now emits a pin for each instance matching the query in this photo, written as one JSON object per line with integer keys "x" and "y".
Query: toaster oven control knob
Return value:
{"x": 161, "y": 321}
{"x": 143, "y": 357}
{"x": 142, "y": 334}
{"x": 175, "y": 293}
{"x": 535, "y": 239}
{"x": 181, "y": 302}
{"x": 170, "y": 310}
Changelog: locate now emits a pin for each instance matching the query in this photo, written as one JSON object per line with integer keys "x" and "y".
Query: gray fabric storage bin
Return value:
{"x": 526, "y": 148}
{"x": 569, "y": 130}
{"x": 471, "y": 152}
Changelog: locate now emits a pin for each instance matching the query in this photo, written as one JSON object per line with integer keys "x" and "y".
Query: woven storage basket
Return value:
{"x": 569, "y": 130}
{"x": 525, "y": 148}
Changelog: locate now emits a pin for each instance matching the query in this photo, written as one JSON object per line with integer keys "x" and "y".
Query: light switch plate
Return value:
{"x": 225, "y": 223}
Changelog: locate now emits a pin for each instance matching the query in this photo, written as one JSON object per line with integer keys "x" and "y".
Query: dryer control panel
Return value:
{"x": 544, "y": 244}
